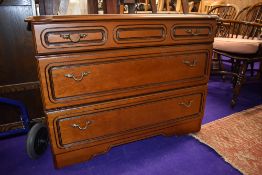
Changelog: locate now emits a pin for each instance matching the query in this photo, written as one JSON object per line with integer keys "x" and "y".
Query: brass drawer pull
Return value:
{"x": 74, "y": 37}
{"x": 186, "y": 104}
{"x": 80, "y": 78}
{"x": 82, "y": 128}
{"x": 190, "y": 31}
{"x": 190, "y": 63}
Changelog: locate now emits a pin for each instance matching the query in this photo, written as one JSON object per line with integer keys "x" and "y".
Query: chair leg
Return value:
{"x": 146, "y": 5}
{"x": 167, "y": 5}
{"x": 252, "y": 69}
{"x": 232, "y": 64}
{"x": 235, "y": 69}
{"x": 259, "y": 73}
{"x": 220, "y": 65}
{"x": 239, "y": 82}
{"x": 153, "y": 6}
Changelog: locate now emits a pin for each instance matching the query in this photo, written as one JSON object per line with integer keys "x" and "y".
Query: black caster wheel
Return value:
{"x": 233, "y": 103}
{"x": 37, "y": 141}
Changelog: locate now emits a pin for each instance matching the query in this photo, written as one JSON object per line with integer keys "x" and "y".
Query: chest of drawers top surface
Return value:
{"x": 109, "y": 17}
{"x": 65, "y": 34}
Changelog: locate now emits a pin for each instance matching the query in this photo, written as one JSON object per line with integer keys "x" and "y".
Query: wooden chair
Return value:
{"x": 254, "y": 13}
{"x": 242, "y": 14}
{"x": 179, "y": 7}
{"x": 228, "y": 11}
{"x": 206, "y": 5}
{"x": 249, "y": 14}
{"x": 239, "y": 41}
{"x": 161, "y": 4}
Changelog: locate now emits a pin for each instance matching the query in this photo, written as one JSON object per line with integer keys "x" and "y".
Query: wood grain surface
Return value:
{"x": 107, "y": 80}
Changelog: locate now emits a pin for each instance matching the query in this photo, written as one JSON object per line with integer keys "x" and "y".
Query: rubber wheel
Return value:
{"x": 37, "y": 140}
{"x": 233, "y": 103}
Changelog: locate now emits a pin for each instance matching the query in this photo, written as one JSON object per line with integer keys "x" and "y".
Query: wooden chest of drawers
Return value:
{"x": 108, "y": 80}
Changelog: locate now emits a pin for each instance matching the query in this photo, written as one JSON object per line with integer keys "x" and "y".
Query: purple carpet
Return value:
{"x": 153, "y": 156}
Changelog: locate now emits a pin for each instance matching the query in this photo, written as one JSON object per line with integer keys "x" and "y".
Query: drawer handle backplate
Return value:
{"x": 75, "y": 38}
{"x": 190, "y": 63}
{"x": 190, "y": 31}
{"x": 82, "y": 128}
{"x": 80, "y": 78}
{"x": 186, "y": 104}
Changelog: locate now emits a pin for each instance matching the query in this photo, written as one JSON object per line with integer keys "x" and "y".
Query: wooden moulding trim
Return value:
{"x": 110, "y": 17}
{"x": 54, "y": 38}
{"x": 139, "y": 33}
{"x": 19, "y": 87}
{"x": 17, "y": 125}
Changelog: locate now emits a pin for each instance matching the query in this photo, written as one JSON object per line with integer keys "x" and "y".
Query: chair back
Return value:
{"x": 254, "y": 13}
{"x": 184, "y": 6}
{"x": 191, "y": 5}
{"x": 206, "y": 5}
{"x": 242, "y": 13}
{"x": 239, "y": 29}
{"x": 227, "y": 11}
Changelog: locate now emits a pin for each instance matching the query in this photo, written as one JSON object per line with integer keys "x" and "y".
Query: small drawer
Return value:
{"x": 139, "y": 33}
{"x": 82, "y": 80}
{"x": 70, "y": 37}
{"x": 191, "y": 32}
{"x": 147, "y": 114}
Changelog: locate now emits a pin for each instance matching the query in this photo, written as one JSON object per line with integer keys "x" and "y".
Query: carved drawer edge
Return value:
{"x": 68, "y": 99}
{"x": 191, "y": 34}
{"x": 163, "y": 124}
{"x": 62, "y": 37}
{"x": 139, "y": 33}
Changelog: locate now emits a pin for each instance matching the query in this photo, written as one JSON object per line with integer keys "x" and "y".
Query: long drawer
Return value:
{"x": 96, "y": 124}
{"x": 87, "y": 78}
{"x": 99, "y": 35}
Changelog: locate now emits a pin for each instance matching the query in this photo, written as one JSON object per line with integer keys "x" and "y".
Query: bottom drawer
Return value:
{"x": 117, "y": 119}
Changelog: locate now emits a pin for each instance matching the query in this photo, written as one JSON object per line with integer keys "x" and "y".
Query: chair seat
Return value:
{"x": 237, "y": 45}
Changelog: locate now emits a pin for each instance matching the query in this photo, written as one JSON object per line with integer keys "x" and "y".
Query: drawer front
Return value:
{"x": 99, "y": 35}
{"x": 88, "y": 80}
{"x": 68, "y": 37}
{"x": 191, "y": 32}
{"x": 140, "y": 33}
{"x": 147, "y": 114}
